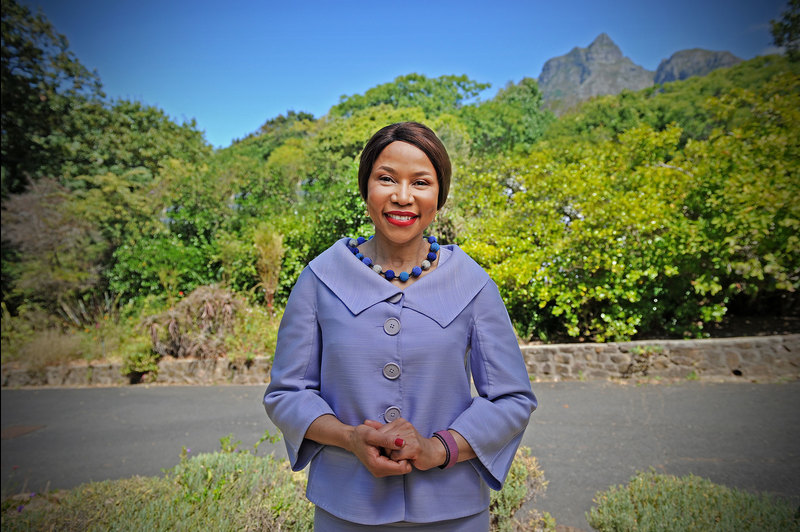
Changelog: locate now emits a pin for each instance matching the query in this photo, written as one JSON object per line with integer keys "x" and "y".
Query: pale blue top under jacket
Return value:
{"x": 343, "y": 324}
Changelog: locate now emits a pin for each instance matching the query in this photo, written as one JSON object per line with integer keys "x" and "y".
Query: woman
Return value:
{"x": 371, "y": 377}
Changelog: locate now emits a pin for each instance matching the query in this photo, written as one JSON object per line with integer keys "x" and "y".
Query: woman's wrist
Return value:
{"x": 438, "y": 451}
{"x": 450, "y": 447}
{"x": 328, "y": 430}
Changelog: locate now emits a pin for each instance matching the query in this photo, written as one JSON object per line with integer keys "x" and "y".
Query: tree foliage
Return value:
{"x": 512, "y": 120}
{"x": 786, "y": 31}
{"x": 434, "y": 96}
{"x": 640, "y": 233}
{"x": 41, "y": 81}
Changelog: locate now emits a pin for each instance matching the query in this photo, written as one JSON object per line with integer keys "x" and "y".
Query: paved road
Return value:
{"x": 587, "y": 435}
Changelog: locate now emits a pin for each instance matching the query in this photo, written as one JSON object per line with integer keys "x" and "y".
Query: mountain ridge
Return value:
{"x": 601, "y": 68}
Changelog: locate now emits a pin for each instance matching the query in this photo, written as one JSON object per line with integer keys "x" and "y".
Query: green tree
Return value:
{"x": 41, "y": 82}
{"x": 434, "y": 96}
{"x": 512, "y": 120}
{"x": 786, "y": 31}
{"x": 60, "y": 252}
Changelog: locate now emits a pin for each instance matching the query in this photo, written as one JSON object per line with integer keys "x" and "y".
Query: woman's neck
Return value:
{"x": 393, "y": 256}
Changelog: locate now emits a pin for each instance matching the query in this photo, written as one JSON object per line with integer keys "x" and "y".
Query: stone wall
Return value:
{"x": 762, "y": 358}
{"x": 170, "y": 371}
{"x": 750, "y": 358}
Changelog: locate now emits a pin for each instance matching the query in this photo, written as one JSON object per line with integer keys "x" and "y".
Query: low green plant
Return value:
{"x": 255, "y": 333}
{"x": 227, "y": 444}
{"x": 139, "y": 358}
{"x": 524, "y": 483}
{"x": 230, "y": 490}
{"x": 653, "y": 501}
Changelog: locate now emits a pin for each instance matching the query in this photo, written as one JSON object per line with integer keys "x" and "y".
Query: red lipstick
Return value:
{"x": 400, "y": 218}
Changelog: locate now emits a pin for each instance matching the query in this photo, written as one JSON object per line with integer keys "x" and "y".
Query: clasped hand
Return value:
{"x": 394, "y": 448}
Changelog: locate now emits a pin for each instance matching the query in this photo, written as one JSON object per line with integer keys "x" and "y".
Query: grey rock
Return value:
{"x": 695, "y": 62}
{"x": 602, "y": 69}
{"x": 585, "y": 72}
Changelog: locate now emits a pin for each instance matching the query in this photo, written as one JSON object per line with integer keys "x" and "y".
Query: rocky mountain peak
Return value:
{"x": 601, "y": 69}
{"x": 603, "y": 50}
{"x": 585, "y": 72}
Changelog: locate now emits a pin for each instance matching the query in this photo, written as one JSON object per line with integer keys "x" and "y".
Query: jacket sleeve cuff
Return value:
{"x": 306, "y": 406}
{"x": 493, "y": 458}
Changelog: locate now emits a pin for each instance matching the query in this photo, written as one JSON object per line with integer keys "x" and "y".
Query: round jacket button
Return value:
{"x": 391, "y": 414}
{"x": 391, "y": 326}
{"x": 391, "y": 371}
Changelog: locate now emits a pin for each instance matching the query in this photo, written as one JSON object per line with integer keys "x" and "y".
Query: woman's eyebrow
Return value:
{"x": 389, "y": 169}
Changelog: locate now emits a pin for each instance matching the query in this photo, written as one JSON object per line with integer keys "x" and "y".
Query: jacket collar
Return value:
{"x": 441, "y": 295}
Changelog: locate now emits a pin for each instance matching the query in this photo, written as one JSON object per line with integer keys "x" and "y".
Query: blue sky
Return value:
{"x": 231, "y": 65}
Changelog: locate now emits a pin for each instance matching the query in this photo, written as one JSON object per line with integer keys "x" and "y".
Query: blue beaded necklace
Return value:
{"x": 416, "y": 271}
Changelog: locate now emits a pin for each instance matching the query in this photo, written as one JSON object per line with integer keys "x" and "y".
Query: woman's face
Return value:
{"x": 402, "y": 192}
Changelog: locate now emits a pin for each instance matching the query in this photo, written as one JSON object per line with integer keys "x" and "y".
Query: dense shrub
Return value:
{"x": 664, "y": 502}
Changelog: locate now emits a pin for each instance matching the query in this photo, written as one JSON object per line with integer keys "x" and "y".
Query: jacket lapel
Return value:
{"x": 442, "y": 295}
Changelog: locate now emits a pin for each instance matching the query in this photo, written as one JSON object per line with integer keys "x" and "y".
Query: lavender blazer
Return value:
{"x": 354, "y": 345}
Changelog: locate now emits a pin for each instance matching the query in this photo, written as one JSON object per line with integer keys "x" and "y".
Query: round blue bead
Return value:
{"x": 431, "y": 239}
{"x": 404, "y": 276}
{"x": 434, "y": 247}
{"x": 367, "y": 261}
{"x": 431, "y": 256}
{"x": 389, "y": 275}
{"x": 361, "y": 240}
{"x": 360, "y": 256}
{"x": 354, "y": 250}
{"x": 416, "y": 271}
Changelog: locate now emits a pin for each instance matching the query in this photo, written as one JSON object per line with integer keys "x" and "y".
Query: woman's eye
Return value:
{"x": 422, "y": 183}
{"x": 385, "y": 178}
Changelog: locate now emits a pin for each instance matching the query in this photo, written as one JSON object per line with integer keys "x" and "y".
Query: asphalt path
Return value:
{"x": 586, "y": 435}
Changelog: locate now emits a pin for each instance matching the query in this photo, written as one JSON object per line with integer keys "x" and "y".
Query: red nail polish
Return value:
{"x": 399, "y": 442}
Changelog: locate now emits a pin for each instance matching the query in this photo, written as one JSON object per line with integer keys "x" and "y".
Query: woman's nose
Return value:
{"x": 402, "y": 195}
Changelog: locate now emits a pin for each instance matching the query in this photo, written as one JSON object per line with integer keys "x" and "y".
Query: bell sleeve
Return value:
{"x": 496, "y": 419}
{"x": 292, "y": 399}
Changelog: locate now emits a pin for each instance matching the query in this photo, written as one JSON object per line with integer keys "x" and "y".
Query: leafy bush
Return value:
{"x": 138, "y": 358}
{"x": 525, "y": 482}
{"x": 162, "y": 265}
{"x": 664, "y": 502}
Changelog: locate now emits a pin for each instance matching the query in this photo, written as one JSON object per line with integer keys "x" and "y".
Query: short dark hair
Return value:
{"x": 417, "y": 135}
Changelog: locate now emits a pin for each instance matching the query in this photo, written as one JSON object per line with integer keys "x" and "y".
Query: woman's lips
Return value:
{"x": 402, "y": 219}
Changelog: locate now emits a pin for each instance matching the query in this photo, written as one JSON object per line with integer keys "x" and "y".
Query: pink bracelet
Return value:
{"x": 450, "y": 446}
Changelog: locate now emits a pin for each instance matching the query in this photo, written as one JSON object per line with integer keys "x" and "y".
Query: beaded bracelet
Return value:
{"x": 450, "y": 447}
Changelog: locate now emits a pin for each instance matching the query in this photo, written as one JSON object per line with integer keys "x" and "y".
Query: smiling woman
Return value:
{"x": 402, "y": 195}
{"x": 370, "y": 381}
